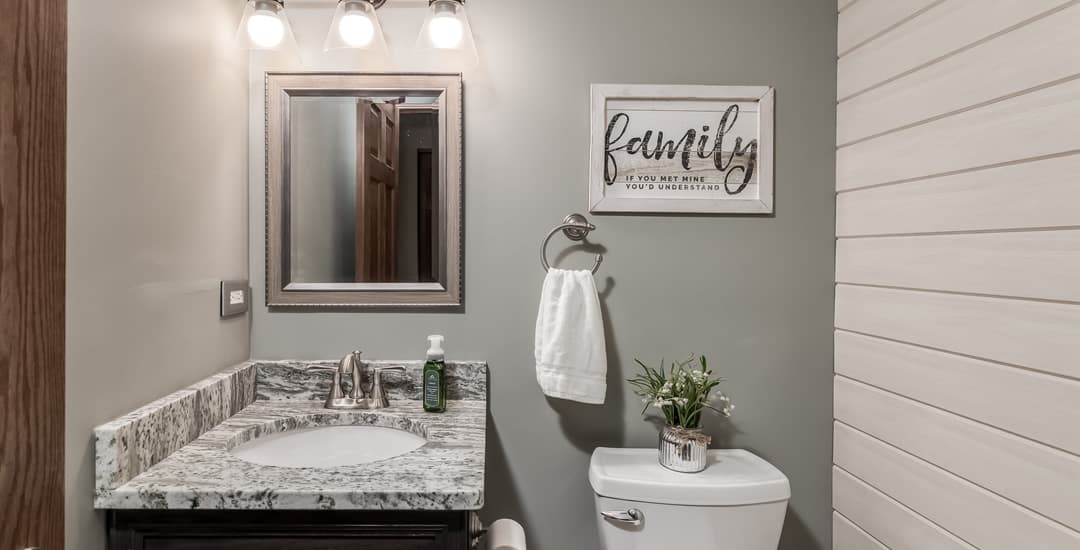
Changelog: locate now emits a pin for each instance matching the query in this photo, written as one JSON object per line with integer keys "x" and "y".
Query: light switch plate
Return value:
{"x": 235, "y": 296}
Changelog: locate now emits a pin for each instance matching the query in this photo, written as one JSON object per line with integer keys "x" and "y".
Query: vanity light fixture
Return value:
{"x": 446, "y": 29}
{"x": 445, "y": 34}
{"x": 356, "y": 26}
{"x": 264, "y": 25}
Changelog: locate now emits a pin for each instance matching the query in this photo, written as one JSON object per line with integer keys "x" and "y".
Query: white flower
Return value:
{"x": 725, "y": 405}
{"x": 665, "y": 390}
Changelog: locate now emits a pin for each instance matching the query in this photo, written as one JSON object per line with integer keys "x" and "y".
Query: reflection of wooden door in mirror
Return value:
{"x": 376, "y": 191}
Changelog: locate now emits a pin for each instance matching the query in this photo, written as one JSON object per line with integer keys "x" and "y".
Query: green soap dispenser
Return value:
{"x": 435, "y": 376}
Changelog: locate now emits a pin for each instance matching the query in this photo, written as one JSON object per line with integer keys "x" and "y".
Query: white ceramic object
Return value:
{"x": 506, "y": 534}
{"x": 737, "y": 502}
{"x": 328, "y": 447}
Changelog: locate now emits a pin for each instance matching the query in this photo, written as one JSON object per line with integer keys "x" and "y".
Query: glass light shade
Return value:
{"x": 264, "y": 26}
{"x": 355, "y": 26}
{"x": 446, "y": 32}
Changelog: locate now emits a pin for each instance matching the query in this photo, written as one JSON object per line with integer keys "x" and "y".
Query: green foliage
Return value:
{"x": 681, "y": 392}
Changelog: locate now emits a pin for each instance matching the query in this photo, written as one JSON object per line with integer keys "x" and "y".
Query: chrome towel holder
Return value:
{"x": 576, "y": 228}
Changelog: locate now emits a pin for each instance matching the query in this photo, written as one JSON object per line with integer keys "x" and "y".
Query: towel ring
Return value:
{"x": 576, "y": 228}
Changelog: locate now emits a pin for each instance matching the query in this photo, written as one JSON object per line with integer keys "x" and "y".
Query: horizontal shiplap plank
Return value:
{"x": 896, "y": 526}
{"x": 869, "y": 18}
{"x": 1022, "y": 127}
{"x": 1028, "y": 195}
{"x": 981, "y": 518}
{"x": 1039, "y": 264}
{"x": 942, "y": 29}
{"x": 1039, "y": 406}
{"x": 1022, "y": 59}
{"x": 1036, "y": 476}
{"x": 1040, "y": 335}
{"x": 847, "y": 536}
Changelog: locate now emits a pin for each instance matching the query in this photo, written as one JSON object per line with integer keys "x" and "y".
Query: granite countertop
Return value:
{"x": 446, "y": 473}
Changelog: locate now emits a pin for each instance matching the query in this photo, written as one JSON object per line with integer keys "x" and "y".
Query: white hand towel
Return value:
{"x": 571, "y": 357}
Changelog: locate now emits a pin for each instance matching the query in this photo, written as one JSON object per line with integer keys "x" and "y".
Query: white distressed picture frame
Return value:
{"x": 600, "y": 201}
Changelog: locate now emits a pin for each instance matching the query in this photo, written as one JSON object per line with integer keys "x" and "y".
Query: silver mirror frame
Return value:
{"x": 448, "y": 291}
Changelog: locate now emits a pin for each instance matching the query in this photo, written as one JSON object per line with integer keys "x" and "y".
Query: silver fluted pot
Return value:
{"x": 683, "y": 450}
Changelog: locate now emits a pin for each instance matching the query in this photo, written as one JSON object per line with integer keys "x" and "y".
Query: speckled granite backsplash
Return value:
{"x": 131, "y": 444}
{"x": 297, "y": 381}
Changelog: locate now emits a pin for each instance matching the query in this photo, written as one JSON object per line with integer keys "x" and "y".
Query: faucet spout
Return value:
{"x": 357, "y": 392}
{"x": 350, "y": 364}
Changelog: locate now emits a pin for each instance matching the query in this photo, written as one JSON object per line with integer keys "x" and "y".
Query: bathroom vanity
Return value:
{"x": 277, "y": 454}
{"x": 252, "y": 458}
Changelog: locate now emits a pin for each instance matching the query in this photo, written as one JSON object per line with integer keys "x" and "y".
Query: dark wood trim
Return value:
{"x": 33, "y": 90}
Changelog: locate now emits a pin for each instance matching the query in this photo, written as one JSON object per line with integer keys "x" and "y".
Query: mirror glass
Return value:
{"x": 364, "y": 189}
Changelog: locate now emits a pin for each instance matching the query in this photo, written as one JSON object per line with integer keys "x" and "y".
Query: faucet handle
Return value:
{"x": 378, "y": 393}
{"x": 335, "y": 395}
{"x": 398, "y": 368}
{"x": 377, "y": 371}
{"x": 380, "y": 370}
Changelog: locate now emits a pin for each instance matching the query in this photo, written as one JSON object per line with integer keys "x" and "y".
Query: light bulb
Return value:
{"x": 356, "y": 30}
{"x": 446, "y": 31}
{"x": 265, "y": 29}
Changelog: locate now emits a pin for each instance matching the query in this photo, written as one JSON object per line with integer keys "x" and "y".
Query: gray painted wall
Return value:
{"x": 754, "y": 293}
{"x": 157, "y": 214}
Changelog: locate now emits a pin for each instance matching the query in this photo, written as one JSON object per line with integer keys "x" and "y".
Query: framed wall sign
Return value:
{"x": 684, "y": 149}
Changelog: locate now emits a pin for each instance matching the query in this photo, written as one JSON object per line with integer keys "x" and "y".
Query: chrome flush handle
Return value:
{"x": 632, "y": 516}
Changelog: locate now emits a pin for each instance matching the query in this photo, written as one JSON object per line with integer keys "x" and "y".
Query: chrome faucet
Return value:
{"x": 372, "y": 397}
{"x": 350, "y": 364}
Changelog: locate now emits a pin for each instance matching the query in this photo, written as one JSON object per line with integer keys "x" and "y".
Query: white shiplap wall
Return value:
{"x": 957, "y": 387}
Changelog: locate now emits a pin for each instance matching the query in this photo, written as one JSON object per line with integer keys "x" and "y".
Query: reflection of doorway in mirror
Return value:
{"x": 419, "y": 194}
{"x": 425, "y": 215}
{"x": 376, "y": 191}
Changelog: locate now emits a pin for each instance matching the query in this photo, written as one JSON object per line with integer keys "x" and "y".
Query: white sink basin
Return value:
{"x": 328, "y": 447}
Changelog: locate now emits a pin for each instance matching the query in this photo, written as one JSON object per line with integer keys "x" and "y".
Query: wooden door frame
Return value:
{"x": 33, "y": 120}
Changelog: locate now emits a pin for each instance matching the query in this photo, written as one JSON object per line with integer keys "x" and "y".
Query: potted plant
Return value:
{"x": 682, "y": 393}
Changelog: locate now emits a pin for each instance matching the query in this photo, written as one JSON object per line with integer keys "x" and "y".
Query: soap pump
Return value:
{"x": 435, "y": 376}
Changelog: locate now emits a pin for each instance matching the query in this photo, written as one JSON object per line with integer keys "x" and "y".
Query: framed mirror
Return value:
{"x": 363, "y": 190}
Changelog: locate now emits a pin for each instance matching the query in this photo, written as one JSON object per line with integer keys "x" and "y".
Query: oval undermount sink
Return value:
{"x": 328, "y": 447}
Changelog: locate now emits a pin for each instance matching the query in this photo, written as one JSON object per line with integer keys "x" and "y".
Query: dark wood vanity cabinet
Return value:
{"x": 287, "y": 530}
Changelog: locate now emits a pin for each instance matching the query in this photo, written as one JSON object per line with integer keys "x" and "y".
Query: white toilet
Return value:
{"x": 737, "y": 503}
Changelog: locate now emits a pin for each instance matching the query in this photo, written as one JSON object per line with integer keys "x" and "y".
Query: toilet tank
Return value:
{"x": 737, "y": 503}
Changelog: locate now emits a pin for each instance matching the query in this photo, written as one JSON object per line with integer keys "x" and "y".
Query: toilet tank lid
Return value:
{"x": 734, "y": 477}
